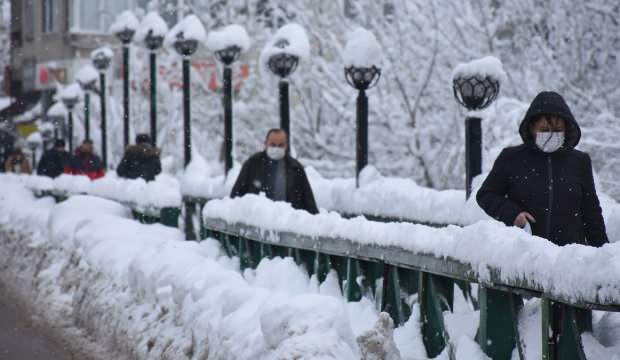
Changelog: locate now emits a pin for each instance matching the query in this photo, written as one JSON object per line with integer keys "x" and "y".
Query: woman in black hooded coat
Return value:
{"x": 547, "y": 183}
{"x": 553, "y": 190}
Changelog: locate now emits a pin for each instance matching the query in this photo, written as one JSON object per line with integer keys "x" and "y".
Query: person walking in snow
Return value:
{"x": 17, "y": 163}
{"x": 274, "y": 172}
{"x": 546, "y": 185}
{"x": 54, "y": 161}
{"x": 140, "y": 160}
{"x": 85, "y": 162}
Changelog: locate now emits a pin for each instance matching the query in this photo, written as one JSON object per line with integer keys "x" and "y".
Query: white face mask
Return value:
{"x": 550, "y": 141}
{"x": 276, "y": 153}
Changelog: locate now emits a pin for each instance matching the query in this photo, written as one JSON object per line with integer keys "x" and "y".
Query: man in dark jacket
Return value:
{"x": 54, "y": 161}
{"x": 545, "y": 182}
{"x": 547, "y": 185}
{"x": 140, "y": 160}
{"x": 85, "y": 162}
{"x": 274, "y": 172}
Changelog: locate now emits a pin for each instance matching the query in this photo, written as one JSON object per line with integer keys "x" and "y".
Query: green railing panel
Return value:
{"x": 322, "y": 266}
{"x": 352, "y": 288}
{"x": 190, "y": 210}
{"x": 391, "y": 301}
{"x": 170, "y": 216}
{"x": 433, "y": 302}
{"x": 266, "y": 251}
{"x": 339, "y": 264}
{"x": 562, "y": 326}
{"x": 498, "y": 332}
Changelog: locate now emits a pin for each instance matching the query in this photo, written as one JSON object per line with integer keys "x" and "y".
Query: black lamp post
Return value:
{"x": 227, "y": 57}
{"x": 186, "y": 48}
{"x": 153, "y": 43}
{"x": 362, "y": 79}
{"x": 474, "y": 93}
{"x": 69, "y": 101}
{"x": 87, "y": 87}
{"x": 125, "y": 35}
{"x": 283, "y": 65}
{"x": 101, "y": 60}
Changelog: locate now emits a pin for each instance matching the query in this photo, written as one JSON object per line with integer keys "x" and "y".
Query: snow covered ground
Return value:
{"x": 144, "y": 291}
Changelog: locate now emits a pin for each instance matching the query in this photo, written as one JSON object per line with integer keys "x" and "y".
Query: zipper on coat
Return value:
{"x": 550, "y": 205}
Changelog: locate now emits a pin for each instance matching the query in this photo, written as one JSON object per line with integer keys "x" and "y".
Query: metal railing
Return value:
{"x": 392, "y": 276}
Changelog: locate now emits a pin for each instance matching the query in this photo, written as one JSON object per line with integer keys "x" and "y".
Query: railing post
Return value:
{"x": 353, "y": 291}
{"x": 433, "y": 299}
{"x": 498, "y": 331}
{"x": 562, "y": 326}
{"x": 190, "y": 208}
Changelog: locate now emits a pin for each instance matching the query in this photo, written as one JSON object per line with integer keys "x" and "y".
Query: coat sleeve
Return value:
{"x": 308, "y": 196}
{"x": 492, "y": 196}
{"x": 243, "y": 181}
{"x": 591, "y": 210}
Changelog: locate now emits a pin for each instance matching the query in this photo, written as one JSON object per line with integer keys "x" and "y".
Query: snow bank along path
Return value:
{"x": 145, "y": 291}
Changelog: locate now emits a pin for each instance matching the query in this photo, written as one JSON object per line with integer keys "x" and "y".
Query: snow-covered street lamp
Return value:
{"x": 281, "y": 56}
{"x": 185, "y": 38}
{"x": 70, "y": 96}
{"x": 34, "y": 141}
{"x": 101, "y": 60}
{"x": 151, "y": 33}
{"x": 227, "y": 44}
{"x": 476, "y": 85}
{"x": 87, "y": 77}
{"x": 124, "y": 29}
{"x": 362, "y": 61}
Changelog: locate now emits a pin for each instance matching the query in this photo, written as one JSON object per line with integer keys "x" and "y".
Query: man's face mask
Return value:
{"x": 549, "y": 141}
{"x": 276, "y": 153}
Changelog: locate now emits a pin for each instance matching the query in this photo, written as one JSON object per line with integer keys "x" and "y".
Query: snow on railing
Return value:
{"x": 409, "y": 258}
{"x": 153, "y": 198}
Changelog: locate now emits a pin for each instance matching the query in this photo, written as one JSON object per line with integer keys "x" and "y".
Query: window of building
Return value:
{"x": 96, "y": 15}
{"x": 48, "y": 16}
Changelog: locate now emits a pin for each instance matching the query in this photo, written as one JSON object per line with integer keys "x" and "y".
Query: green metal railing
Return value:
{"x": 396, "y": 279}
{"x": 391, "y": 275}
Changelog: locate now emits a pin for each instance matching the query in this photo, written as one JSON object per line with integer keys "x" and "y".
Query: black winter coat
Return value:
{"x": 254, "y": 178}
{"x": 53, "y": 163}
{"x": 140, "y": 161}
{"x": 556, "y": 188}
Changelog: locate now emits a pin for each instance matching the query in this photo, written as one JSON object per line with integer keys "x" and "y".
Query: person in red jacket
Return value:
{"x": 85, "y": 162}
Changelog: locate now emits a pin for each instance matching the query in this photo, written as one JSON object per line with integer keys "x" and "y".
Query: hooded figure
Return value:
{"x": 140, "y": 160}
{"x": 54, "y": 161}
{"x": 545, "y": 182}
